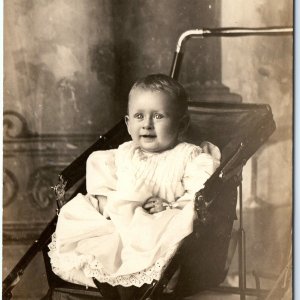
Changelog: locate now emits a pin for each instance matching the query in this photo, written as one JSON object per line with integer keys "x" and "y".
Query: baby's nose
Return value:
{"x": 148, "y": 123}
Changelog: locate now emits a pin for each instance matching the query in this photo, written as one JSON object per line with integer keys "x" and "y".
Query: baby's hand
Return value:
{"x": 154, "y": 205}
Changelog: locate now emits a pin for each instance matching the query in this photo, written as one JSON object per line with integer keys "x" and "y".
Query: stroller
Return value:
{"x": 238, "y": 130}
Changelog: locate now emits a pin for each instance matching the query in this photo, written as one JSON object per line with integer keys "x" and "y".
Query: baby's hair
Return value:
{"x": 165, "y": 84}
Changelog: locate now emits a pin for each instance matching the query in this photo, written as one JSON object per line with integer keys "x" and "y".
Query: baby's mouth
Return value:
{"x": 148, "y": 136}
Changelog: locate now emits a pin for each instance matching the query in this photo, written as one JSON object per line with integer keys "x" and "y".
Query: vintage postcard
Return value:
{"x": 167, "y": 128}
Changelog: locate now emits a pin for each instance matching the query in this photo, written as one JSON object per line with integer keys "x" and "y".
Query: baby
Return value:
{"x": 139, "y": 204}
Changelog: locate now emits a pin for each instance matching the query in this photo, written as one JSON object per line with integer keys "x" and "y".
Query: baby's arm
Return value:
{"x": 204, "y": 161}
{"x": 100, "y": 178}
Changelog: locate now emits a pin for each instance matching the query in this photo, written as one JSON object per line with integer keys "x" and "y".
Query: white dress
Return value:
{"x": 126, "y": 245}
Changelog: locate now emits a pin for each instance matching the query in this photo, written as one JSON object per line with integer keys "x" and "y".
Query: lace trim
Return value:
{"x": 91, "y": 267}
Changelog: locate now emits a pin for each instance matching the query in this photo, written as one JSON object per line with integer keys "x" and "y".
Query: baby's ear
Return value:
{"x": 126, "y": 118}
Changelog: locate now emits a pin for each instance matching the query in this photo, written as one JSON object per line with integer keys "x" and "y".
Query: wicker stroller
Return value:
{"x": 238, "y": 130}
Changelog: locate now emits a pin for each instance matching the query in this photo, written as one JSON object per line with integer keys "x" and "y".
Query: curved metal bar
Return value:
{"x": 221, "y": 32}
{"x": 231, "y": 32}
{"x": 199, "y": 33}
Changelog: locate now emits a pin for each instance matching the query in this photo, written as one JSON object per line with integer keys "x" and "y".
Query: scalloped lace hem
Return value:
{"x": 91, "y": 267}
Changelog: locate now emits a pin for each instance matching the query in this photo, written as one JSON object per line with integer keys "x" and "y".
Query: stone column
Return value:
{"x": 146, "y": 34}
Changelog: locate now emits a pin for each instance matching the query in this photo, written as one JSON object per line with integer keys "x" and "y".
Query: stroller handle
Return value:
{"x": 221, "y": 32}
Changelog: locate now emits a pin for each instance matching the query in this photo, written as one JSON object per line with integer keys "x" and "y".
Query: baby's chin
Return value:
{"x": 156, "y": 149}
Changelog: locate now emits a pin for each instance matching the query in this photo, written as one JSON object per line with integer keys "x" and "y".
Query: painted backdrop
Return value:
{"x": 68, "y": 66}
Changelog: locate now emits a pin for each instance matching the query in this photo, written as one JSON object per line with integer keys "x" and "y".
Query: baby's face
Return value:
{"x": 152, "y": 120}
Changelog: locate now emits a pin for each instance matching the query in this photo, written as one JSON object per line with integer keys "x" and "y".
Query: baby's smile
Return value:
{"x": 148, "y": 135}
{"x": 148, "y": 138}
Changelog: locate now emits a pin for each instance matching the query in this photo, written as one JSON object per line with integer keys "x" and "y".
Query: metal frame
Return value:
{"x": 174, "y": 73}
{"x": 220, "y": 32}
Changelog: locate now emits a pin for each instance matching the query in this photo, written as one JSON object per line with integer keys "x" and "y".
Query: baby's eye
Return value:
{"x": 158, "y": 116}
{"x": 138, "y": 116}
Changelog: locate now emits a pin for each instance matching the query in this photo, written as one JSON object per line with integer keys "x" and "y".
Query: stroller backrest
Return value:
{"x": 229, "y": 126}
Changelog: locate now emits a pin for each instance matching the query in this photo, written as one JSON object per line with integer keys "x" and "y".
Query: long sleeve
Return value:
{"x": 201, "y": 165}
{"x": 101, "y": 173}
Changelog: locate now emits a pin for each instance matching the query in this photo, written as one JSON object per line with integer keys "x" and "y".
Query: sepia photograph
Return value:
{"x": 148, "y": 149}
